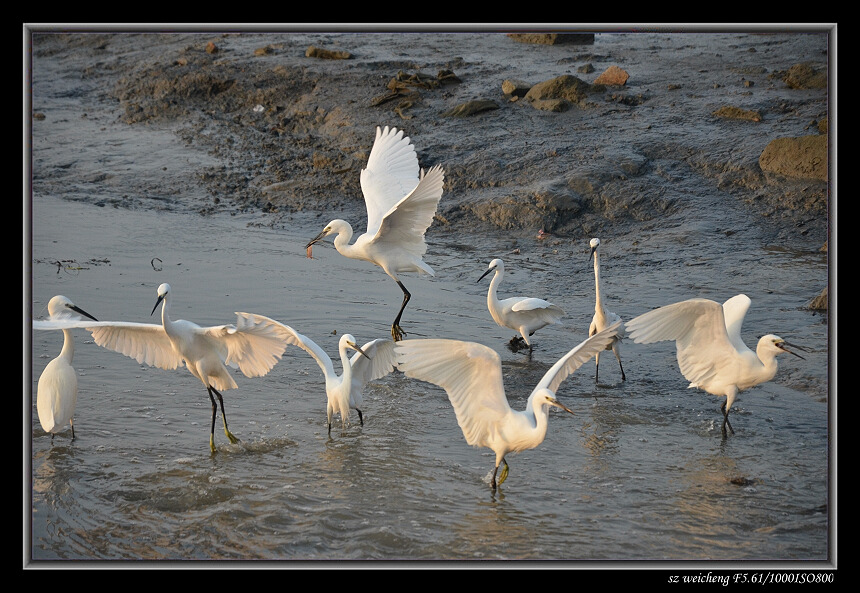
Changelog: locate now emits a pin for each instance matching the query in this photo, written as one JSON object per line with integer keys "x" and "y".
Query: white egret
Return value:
{"x": 602, "y": 316}
{"x": 372, "y": 361}
{"x": 711, "y": 353}
{"x": 471, "y": 374}
{"x": 524, "y": 315}
{"x": 254, "y": 345}
{"x": 57, "y": 391}
{"x": 401, "y": 201}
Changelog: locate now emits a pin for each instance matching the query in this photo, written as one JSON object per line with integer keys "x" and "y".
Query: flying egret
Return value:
{"x": 57, "y": 392}
{"x": 602, "y": 316}
{"x": 254, "y": 345}
{"x": 525, "y": 315}
{"x": 400, "y": 205}
{"x": 711, "y": 353}
{"x": 471, "y": 374}
{"x": 371, "y": 361}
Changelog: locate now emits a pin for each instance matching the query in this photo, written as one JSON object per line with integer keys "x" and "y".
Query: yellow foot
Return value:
{"x": 397, "y": 333}
{"x": 230, "y": 436}
{"x": 504, "y": 475}
{"x": 212, "y": 443}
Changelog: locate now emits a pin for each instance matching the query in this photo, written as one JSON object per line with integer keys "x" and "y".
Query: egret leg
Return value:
{"x": 615, "y": 351}
{"x": 397, "y": 332}
{"x": 726, "y": 420}
{"x": 72, "y": 424}
{"x": 360, "y": 418}
{"x": 227, "y": 432}
{"x": 214, "y": 413}
{"x": 596, "y": 366}
{"x": 502, "y": 477}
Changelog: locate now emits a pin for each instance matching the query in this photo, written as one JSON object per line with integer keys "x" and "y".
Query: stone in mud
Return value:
{"x": 804, "y": 157}
{"x": 326, "y": 54}
{"x": 612, "y": 76}
{"x": 805, "y": 76}
{"x": 553, "y": 38}
{"x": 730, "y": 112}
{"x": 515, "y": 88}
{"x": 566, "y": 87}
{"x": 470, "y": 108}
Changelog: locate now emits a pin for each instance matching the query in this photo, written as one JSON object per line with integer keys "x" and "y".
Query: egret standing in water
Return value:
{"x": 372, "y": 361}
{"x": 254, "y": 344}
{"x": 524, "y": 315}
{"x": 57, "y": 392}
{"x": 711, "y": 353}
{"x": 471, "y": 374}
{"x": 401, "y": 201}
{"x": 602, "y": 316}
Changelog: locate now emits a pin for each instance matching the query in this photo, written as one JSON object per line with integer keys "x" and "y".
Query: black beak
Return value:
{"x": 485, "y": 273}
{"x": 360, "y": 351}
{"x": 82, "y": 312}
{"x": 158, "y": 302}
{"x": 317, "y": 238}
{"x": 784, "y": 349}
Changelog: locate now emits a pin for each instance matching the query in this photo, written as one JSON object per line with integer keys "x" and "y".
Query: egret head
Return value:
{"x": 348, "y": 341}
{"x": 595, "y": 243}
{"x": 335, "y": 226}
{"x": 60, "y": 307}
{"x": 778, "y": 345}
{"x": 162, "y": 292}
{"x": 495, "y": 264}
{"x": 546, "y": 397}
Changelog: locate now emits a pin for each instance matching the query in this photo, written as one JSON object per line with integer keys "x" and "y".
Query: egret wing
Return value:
{"x": 379, "y": 362}
{"x": 294, "y": 338}
{"x": 405, "y": 223}
{"x": 147, "y": 343}
{"x": 470, "y": 373}
{"x": 391, "y": 173}
{"x": 255, "y": 344}
{"x": 57, "y": 324}
{"x": 531, "y": 304}
{"x": 734, "y": 311}
{"x": 578, "y": 356}
{"x": 699, "y": 330}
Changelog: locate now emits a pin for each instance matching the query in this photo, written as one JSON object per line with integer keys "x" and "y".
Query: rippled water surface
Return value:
{"x": 639, "y": 473}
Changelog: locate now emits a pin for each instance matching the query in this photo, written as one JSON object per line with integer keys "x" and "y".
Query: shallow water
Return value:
{"x": 639, "y": 473}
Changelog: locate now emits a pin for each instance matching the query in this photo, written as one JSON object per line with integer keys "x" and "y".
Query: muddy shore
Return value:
{"x": 280, "y": 124}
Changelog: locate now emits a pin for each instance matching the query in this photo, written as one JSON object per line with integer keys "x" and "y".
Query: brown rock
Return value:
{"x": 553, "y": 38}
{"x": 327, "y": 54}
{"x": 470, "y": 108}
{"x": 737, "y": 113}
{"x": 805, "y": 76}
{"x": 819, "y": 303}
{"x": 515, "y": 88}
{"x": 613, "y": 76}
{"x": 567, "y": 87}
{"x": 804, "y": 157}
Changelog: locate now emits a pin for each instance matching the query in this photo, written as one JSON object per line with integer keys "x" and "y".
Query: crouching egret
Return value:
{"x": 401, "y": 201}
{"x": 471, "y": 374}
{"x": 57, "y": 392}
{"x": 603, "y": 317}
{"x": 711, "y": 353}
{"x": 372, "y": 361}
{"x": 524, "y": 315}
{"x": 254, "y": 345}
